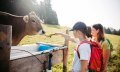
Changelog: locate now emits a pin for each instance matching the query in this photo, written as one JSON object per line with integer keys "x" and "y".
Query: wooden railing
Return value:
{"x": 5, "y": 46}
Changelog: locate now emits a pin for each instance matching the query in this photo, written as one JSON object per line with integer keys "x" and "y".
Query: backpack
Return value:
{"x": 111, "y": 46}
{"x": 96, "y": 59}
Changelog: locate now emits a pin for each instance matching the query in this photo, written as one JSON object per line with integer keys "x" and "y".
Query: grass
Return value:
{"x": 50, "y": 29}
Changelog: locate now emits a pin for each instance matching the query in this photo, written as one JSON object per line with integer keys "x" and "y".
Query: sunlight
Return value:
{"x": 38, "y": 1}
{"x": 106, "y": 12}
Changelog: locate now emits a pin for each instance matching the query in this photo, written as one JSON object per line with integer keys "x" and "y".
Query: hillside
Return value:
{"x": 50, "y": 29}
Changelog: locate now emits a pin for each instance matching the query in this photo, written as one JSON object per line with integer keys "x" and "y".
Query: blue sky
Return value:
{"x": 106, "y": 12}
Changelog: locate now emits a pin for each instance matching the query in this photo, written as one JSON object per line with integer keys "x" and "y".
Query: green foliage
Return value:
{"x": 108, "y": 31}
{"x": 47, "y": 14}
{"x": 112, "y": 31}
{"x": 114, "y": 63}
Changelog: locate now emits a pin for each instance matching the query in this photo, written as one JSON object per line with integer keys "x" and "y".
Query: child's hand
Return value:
{"x": 67, "y": 37}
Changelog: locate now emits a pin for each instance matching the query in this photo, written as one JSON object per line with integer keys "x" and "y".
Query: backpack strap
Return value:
{"x": 110, "y": 44}
{"x": 76, "y": 49}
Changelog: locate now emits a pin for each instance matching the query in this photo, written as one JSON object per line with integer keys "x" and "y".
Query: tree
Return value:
{"x": 47, "y": 14}
{"x": 108, "y": 30}
{"x": 119, "y": 32}
{"x": 114, "y": 32}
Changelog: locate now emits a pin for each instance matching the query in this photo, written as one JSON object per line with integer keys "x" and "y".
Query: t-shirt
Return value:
{"x": 85, "y": 52}
{"x": 105, "y": 45}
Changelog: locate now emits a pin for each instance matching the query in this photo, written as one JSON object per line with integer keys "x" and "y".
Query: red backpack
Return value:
{"x": 96, "y": 59}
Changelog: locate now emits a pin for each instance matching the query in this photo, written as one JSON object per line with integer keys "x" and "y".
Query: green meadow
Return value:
{"x": 114, "y": 63}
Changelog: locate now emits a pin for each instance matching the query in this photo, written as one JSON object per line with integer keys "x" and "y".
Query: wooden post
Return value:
{"x": 5, "y": 46}
{"x": 65, "y": 54}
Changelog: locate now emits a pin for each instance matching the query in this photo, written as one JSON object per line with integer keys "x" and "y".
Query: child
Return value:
{"x": 80, "y": 32}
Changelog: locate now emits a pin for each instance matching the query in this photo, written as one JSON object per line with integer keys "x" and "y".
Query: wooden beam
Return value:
{"x": 65, "y": 54}
{"x": 5, "y": 46}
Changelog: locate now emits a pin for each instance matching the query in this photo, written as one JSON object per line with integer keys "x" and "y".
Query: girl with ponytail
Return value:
{"x": 80, "y": 32}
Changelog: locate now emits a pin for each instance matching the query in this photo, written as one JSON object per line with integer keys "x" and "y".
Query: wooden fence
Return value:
{"x": 25, "y": 64}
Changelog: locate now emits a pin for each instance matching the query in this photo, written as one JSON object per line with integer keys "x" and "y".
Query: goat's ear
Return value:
{"x": 26, "y": 18}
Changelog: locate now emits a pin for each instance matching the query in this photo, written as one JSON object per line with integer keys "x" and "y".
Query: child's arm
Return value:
{"x": 106, "y": 54}
{"x": 66, "y": 36}
{"x": 84, "y": 64}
